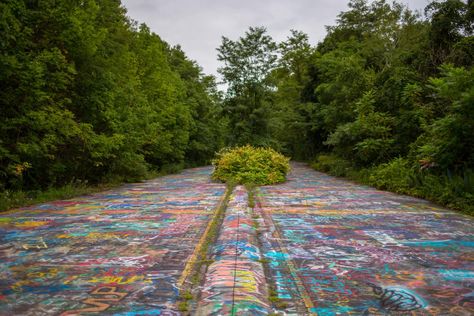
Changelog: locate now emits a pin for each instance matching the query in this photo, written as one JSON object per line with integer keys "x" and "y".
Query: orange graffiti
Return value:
{"x": 108, "y": 295}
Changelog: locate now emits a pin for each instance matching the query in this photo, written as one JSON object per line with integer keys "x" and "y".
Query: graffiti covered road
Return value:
{"x": 346, "y": 249}
{"x": 315, "y": 245}
{"x": 122, "y": 252}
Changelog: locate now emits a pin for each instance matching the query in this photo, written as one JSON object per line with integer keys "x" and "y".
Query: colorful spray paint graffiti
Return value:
{"x": 122, "y": 252}
{"x": 235, "y": 282}
{"x": 337, "y": 248}
{"x": 330, "y": 247}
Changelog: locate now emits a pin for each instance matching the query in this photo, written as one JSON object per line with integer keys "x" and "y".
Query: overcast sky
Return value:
{"x": 198, "y": 25}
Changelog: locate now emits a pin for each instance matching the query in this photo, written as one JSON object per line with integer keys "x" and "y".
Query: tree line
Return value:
{"x": 89, "y": 95}
{"x": 387, "y": 97}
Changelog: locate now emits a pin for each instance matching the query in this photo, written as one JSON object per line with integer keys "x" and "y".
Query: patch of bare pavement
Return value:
{"x": 315, "y": 245}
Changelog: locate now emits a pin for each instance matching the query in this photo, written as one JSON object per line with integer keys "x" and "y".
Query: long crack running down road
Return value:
{"x": 315, "y": 245}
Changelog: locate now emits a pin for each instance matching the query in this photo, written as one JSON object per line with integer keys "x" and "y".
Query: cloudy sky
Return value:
{"x": 198, "y": 25}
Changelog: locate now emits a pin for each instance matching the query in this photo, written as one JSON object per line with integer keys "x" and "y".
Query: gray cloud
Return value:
{"x": 198, "y": 25}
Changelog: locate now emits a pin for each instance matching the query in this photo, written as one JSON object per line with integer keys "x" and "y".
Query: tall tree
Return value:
{"x": 88, "y": 94}
{"x": 452, "y": 22}
{"x": 247, "y": 63}
{"x": 292, "y": 114}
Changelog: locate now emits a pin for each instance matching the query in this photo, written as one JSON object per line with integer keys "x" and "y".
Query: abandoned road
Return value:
{"x": 315, "y": 245}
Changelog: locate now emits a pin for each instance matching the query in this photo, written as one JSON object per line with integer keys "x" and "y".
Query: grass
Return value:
{"x": 455, "y": 191}
{"x": 14, "y": 199}
{"x": 10, "y": 199}
{"x": 183, "y": 306}
{"x": 251, "y": 194}
{"x": 203, "y": 252}
{"x": 276, "y": 301}
{"x": 264, "y": 261}
{"x": 211, "y": 236}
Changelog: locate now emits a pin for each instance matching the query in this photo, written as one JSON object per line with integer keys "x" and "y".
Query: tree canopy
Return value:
{"x": 386, "y": 88}
{"x": 88, "y": 94}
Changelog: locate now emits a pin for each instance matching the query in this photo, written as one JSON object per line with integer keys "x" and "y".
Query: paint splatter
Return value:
{"x": 331, "y": 247}
{"x": 235, "y": 282}
{"x": 341, "y": 248}
{"x": 122, "y": 252}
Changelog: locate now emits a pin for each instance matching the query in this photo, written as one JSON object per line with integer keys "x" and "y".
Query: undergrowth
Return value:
{"x": 455, "y": 191}
{"x": 10, "y": 199}
{"x": 211, "y": 237}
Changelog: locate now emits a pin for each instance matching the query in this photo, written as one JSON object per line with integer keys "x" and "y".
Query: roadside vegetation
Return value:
{"x": 11, "y": 199}
{"x": 386, "y": 98}
{"x": 400, "y": 176}
{"x": 90, "y": 97}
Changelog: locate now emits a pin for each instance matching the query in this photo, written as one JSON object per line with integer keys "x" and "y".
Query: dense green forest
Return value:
{"x": 386, "y": 98}
{"x": 89, "y": 95}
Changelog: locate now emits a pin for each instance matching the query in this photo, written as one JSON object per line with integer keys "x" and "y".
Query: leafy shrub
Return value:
{"x": 396, "y": 176}
{"x": 401, "y": 176}
{"x": 452, "y": 190}
{"x": 447, "y": 141}
{"x": 332, "y": 164}
{"x": 366, "y": 140}
{"x": 248, "y": 164}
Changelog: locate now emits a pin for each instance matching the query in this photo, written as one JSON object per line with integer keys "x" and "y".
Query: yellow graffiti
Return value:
{"x": 247, "y": 298}
{"x": 246, "y": 280}
{"x": 31, "y": 224}
{"x": 70, "y": 279}
{"x": 410, "y": 278}
{"x": 17, "y": 287}
{"x": 120, "y": 279}
{"x": 96, "y": 236}
{"x": 63, "y": 236}
{"x": 50, "y": 273}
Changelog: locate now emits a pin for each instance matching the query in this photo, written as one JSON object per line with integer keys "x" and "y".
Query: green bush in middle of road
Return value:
{"x": 250, "y": 165}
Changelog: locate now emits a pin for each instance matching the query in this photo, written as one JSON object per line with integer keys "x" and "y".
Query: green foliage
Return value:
{"x": 384, "y": 83}
{"x": 402, "y": 176}
{"x": 292, "y": 116}
{"x": 89, "y": 95}
{"x": 448, "y": 140}
{"x": 453, "y": 190}
{"x": 250, "y": 165}
{"x": 247, "y": 63}
{"x": 397, "y": 176}
{"x": 367, "y": 140}
{"x": 450, "y": 21}
{"x": 11, "y": 199}
{"x": 332, "y": 164}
